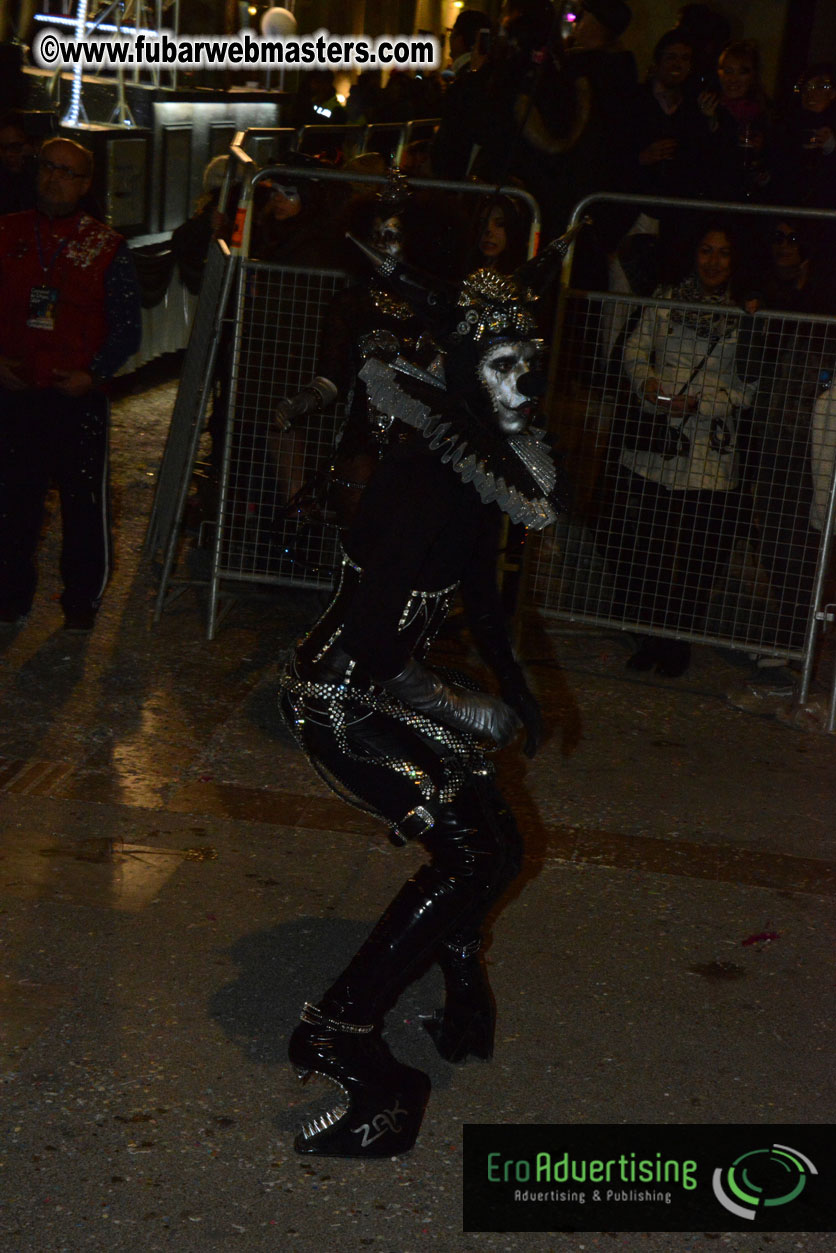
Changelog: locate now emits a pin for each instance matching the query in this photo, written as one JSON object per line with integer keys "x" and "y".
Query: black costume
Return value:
{"x": 401, "y": 742}
{"x": 370, "y": 319}
{"x": 365, "y": 321}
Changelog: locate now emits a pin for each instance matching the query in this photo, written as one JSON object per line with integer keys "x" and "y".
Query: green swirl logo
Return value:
{"x": 762, "y": 1178}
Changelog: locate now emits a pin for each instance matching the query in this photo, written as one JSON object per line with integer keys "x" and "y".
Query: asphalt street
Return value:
{"x": 175, "y": 882}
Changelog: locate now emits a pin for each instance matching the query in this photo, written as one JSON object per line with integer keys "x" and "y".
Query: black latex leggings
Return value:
{"x": 475, "y": 852}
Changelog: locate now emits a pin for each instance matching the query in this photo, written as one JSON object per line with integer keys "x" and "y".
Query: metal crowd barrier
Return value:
{"x": 274, "y": 523}
{"x": 390, "y": 139}
{"x": 187, "y": 421}
{"x": 322, "y": 137}
{"x": 745, "y": 570}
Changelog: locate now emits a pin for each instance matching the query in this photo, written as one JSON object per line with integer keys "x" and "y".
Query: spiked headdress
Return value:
{"x": 493, "y": 306}
{"x": 394, "y": 193}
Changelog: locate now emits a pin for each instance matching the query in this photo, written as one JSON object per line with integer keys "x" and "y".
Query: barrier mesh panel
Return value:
{"x": 276, "y": 524}
{"x": 178, "y": 456}
{"x": 698, "y": 514}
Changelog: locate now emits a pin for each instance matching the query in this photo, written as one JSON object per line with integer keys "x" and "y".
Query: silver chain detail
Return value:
{"x": 314, "y": 1017}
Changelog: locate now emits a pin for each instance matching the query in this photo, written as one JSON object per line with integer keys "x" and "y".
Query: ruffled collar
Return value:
{"x": 518, "y": 472}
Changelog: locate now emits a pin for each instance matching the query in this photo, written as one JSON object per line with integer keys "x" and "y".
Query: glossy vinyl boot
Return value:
{"x": 381, "y": 1103}
{"x": 465, "y": 1026}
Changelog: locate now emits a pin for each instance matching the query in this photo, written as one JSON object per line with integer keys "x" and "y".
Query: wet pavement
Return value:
{"x": 174, "y": 882}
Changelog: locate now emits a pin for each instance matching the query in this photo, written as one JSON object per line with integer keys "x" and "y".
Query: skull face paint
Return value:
{"x": 500, "y": 371}
{"x": 387, "y": 236}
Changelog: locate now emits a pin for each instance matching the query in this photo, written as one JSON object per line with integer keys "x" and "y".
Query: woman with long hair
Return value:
{"x": 677, "y": 505}
{"x": 500, "y": 235}
{"x": 806, "y": 147}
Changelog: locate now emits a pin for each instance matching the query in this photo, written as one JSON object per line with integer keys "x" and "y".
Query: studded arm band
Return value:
{"x": 483, "y": 716}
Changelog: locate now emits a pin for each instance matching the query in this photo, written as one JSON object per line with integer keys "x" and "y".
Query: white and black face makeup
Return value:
{"x": 500, "y": 372}
{"x": 387, "y": 236}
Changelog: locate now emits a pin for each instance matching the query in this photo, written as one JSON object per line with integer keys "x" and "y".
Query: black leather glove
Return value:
{"x": 517, "y": 694}
{"x": 311, "y": 399}
{"x": 486, "y": 717}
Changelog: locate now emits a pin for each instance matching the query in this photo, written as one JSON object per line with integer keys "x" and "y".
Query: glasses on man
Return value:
{"x": 784, "y": 237}
{"x": 63, "y": 170}
{"x": 814, "y": 84}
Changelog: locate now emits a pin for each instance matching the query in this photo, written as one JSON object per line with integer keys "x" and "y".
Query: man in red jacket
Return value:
{"x": 69, "y": 318}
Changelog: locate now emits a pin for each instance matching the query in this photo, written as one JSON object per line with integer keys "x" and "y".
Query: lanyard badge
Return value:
{"x": 42, "y": 302}
{"x": 43, "y": 299}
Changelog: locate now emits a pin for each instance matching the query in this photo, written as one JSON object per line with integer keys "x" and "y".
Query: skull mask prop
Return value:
{"x": 387, "y": 236}
{"x": 505, "y": 372}
{"x": 493, "y": 352}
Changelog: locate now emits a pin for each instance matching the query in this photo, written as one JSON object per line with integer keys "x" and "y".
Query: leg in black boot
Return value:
{"x": 474, "y": 847}
{"x": 381, "y": 1103}
{"x": 465, "y": 1026}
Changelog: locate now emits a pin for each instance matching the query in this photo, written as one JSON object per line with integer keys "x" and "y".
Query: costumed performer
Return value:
{"x": 400, "y": 741}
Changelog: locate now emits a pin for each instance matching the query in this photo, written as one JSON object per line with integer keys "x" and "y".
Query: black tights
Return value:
{"x": 475, "y": 852}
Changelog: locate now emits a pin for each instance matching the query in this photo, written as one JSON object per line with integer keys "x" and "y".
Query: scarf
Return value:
{"x": 705, "y": 324}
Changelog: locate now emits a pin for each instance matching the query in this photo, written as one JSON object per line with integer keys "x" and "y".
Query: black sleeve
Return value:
{"x": 483, "y": 605}
{"x": 337, "y": 349}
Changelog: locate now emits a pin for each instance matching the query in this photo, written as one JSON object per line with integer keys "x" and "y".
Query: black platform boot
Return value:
{"x": 381, "y": 1103}
{"x": 465, "y": 1026}
{"x": 474, "y": 851}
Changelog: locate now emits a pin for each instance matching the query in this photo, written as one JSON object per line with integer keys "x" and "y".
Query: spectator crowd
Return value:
{"x": 549, "y": 100}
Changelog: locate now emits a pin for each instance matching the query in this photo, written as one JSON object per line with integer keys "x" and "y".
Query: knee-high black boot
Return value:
{"x": 382, "y": 1101}
{"x": 465, "y": 1026}
{"x": 340, "y": 1038}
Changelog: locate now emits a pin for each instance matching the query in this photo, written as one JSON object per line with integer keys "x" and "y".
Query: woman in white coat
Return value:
{"x": 677, "y": 503}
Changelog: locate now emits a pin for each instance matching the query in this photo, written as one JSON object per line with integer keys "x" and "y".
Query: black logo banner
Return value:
{"x": 649, "y": 1177}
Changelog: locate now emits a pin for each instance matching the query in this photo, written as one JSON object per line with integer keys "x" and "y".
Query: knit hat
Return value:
{"x": 614, "y": 14}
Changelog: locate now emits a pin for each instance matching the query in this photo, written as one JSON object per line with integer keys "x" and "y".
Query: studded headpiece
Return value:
{"x": 493, "y": 306}
{"x": 395, "y": 192}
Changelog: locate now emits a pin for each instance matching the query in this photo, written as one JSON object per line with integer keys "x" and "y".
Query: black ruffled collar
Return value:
{"x": 518, "y": 472}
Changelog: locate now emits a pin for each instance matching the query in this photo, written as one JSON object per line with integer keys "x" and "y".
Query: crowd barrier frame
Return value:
{"x": 279, "y": 295}
{"x": 362, "y": 137}
{"x": 543, "y": 587}
{"x": 187, "y": 420}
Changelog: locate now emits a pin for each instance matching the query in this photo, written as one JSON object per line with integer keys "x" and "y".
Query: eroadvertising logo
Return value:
{"x": 762, "y": 1177}
{"x": 649, "y": 1177}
